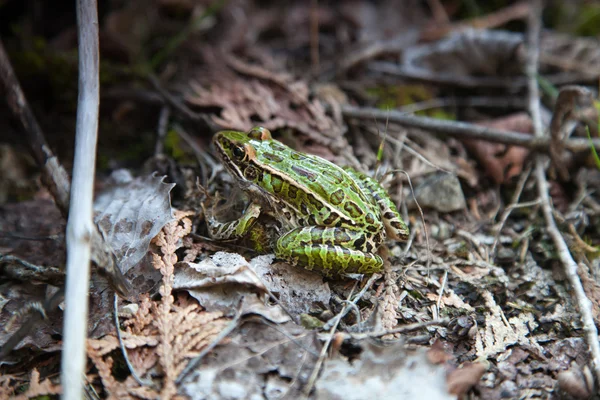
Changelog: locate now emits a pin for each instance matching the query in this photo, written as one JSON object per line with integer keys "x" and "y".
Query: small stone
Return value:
{"x": 442, "y": 192}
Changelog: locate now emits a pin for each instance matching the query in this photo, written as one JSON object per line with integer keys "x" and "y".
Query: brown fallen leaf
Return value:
{"x": 500, "y": 161}
{"x": 461, "y": 380}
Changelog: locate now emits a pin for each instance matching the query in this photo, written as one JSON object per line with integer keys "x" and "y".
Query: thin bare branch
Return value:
{"x": 463, "y": 130}
{"x": 80, "y": 225}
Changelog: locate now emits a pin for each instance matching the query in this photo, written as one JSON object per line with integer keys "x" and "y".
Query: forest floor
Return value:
{"x": 480, "y": 119}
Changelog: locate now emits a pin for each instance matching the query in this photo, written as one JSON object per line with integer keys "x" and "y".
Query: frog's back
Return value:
{"x": 319, "y": 191}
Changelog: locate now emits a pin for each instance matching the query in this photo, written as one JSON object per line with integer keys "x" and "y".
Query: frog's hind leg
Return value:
{"x": 395, "y": 227}
{"x": 330, "y": 251}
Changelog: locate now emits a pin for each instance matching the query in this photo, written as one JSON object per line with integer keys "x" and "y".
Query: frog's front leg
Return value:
{"x": 234, "y": 229}
{"x": 329, "y": 250}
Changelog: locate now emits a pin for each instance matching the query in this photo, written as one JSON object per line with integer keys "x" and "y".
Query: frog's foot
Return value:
{"x": 235, "y": 229}
{"x": 330, "y": 251}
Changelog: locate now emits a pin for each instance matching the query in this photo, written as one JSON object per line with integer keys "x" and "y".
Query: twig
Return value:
{"x": 440, "y": 294}
{"x": 569, "y": 264}
{"x": 80, "y": 225}
{"x": 463, "y": 130}
{"x": 570, "y": 267}
{"x": 53, "y": 174}
{"x": 452, "y": 79}
{"x": 534, "y": 30}
{"x": 130, "y": 366}
{"x": 402, "y": 329}
{"x": 513, "y": 204}
{"x": 24, "y": 271}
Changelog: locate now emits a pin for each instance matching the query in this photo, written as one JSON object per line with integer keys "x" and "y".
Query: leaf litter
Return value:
{"x": 488, "y": 306}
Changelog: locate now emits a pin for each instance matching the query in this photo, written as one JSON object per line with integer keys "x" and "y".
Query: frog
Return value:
{"x": 321, "y": 216}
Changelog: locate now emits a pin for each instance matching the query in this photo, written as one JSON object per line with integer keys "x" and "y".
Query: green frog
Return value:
{"x": 319, "y": 216}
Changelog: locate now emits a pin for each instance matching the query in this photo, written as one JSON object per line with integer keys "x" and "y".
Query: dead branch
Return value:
{"x": 80, "y": 224}
{"x": 463, "y": 130}
{"x": 569, "y": 264}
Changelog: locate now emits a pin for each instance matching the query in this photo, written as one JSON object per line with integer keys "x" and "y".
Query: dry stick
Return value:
{"x": 463, "y": 130}
{"x": 80, "y": 226}
{"x": 130, "y": 366}
{"x": 402, "y": 329}
{"x": 585, "y": 305}
{"x": 570, "y": 266}
{"x": 53, "y": 175}
{"x": 513, "y": 204}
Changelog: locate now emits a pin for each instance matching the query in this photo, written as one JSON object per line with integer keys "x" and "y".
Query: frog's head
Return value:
{"x": 237, "y": 149}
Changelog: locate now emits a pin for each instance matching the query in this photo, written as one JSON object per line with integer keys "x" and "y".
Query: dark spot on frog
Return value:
{"x": 389, "y": 215}
{"x": 369, "y": 218}
{"x": 352, "y": 209}
{"x": 337, "y": 197}
{"x": 335, "y": 176}
{"x": 341, "y": 236}
{"x": 372, "y": 228}
{"x": 278, "y": 147}
{"x": 358, "y": 243}
{"x": 310, "y": 176}
{"x": 397, "y": 225}
{"x": 273, "y": 157}
{"x": 304, "y": 208}
{"x": 330, "y": 220}
{"x": 292, "y": 191}
{"x": 298, "y": 156}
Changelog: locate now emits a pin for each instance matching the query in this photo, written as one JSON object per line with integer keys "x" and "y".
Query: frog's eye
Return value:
{"x": 238, "y": 152}
{"x": 259, "y": 133}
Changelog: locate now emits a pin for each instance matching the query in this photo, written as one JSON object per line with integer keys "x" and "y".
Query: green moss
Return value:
{"x": 587, "y": 21}
{"x": 310, "y": 322}
{"x": 173, "y": 146}
{"x": 391, "y": 97}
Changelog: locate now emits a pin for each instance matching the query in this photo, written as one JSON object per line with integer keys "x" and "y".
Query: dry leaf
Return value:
{"x": 131, "y": 213}
{"x": 501, "y": 162}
